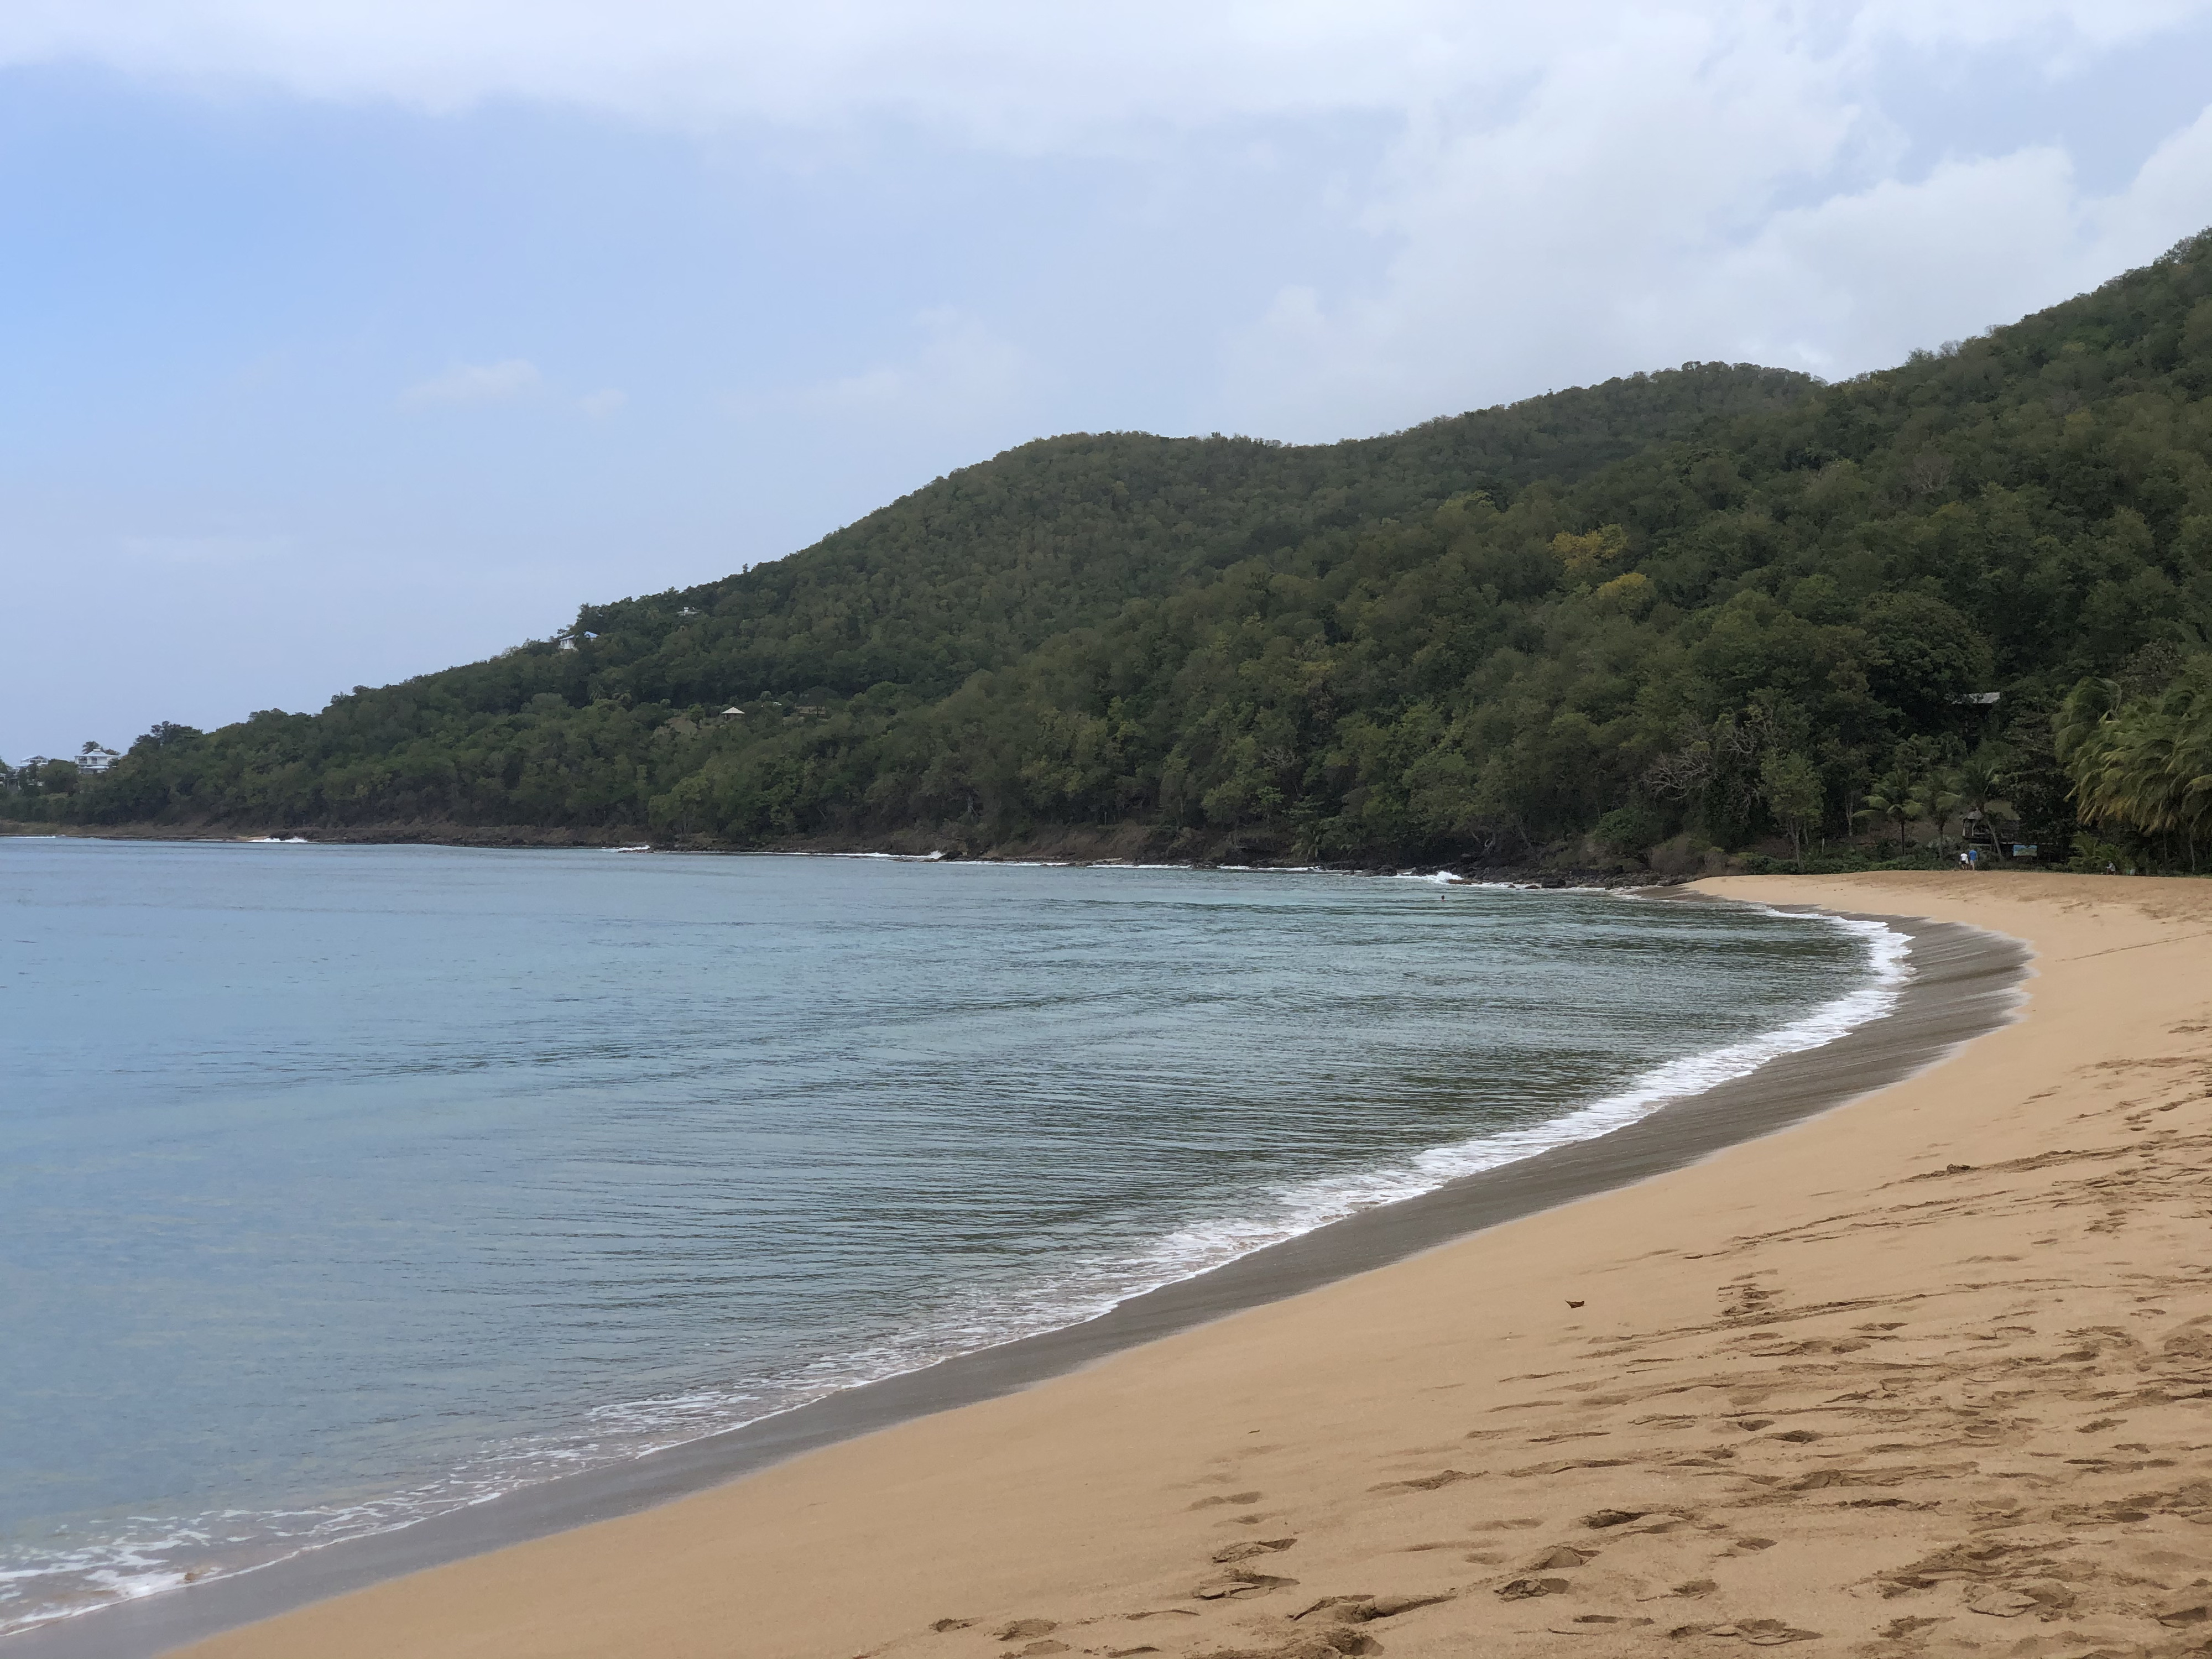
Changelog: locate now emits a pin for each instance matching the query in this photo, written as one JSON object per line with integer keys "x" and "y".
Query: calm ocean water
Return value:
{"x": 343, "y": 1185}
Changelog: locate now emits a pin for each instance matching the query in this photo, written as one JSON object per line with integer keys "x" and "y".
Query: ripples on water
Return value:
{"x": 340, "y": 1185}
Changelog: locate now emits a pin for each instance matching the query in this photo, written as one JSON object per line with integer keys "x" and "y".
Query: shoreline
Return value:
{"x": 1137, "y": 850}
{"x": 1961, "y": 985}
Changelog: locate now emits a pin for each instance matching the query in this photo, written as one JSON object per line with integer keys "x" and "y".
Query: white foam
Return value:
{"x": 1315, "y": 1204}
{"x": 1447, "y": 878}
{"x": 1083, "y": 1290}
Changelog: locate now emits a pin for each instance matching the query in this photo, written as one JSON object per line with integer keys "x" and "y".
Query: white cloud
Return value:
{"x": 1876, "y": 272}
{"x": 2065, "y": 28}
{"x": 1465, "y": 201}
{"x": 1570, "y": 190}
{"x": 478, "y": 383}
{"x": 1686, "y": 185}
{"x": 2169, "y": 196}
{"x": 961, "y": 374}
{"x": 1002, "y": 67}
{"x": 1005, "y": 70}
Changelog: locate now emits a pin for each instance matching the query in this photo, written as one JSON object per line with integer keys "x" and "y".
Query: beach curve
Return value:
{"x": 828, "y": 1636}
{"x": 1063, "y": 1494}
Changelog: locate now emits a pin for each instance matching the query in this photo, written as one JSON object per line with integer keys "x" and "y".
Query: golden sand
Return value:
{"x": 1930, "y": 1374}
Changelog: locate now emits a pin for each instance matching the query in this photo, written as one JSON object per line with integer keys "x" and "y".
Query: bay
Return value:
{"x": 342, "y": 1185}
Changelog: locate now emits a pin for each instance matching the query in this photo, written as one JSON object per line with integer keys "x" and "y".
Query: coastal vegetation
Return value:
{"x": 1964, "y": 601}
{"x": 2140, "y": 751}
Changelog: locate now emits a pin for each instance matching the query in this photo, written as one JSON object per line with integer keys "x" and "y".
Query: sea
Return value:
{"x": 343, "y": 1186}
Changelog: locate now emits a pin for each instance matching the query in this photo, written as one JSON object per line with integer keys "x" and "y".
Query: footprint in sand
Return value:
{"x": 1250, "y": 1547}
{"x": 1898, "y": 1629}
{"x": 1758, "y": 1632}
{"x": 1634, "y": 1523}
{"x": 1362, "y": 1609}
{"x": 1426, "y": 1482}
{"x": 1519, "y": 1589}
{"x": 2190, "y": 1607}
{"x": 1999, "y": 1602}
{"x": 1559, "y": 1555}
{"x": 1239, "y": 1584}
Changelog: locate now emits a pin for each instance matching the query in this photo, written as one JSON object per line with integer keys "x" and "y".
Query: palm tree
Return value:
{"x": 1978, "y": 780}
{"x": 1940, "y": 800}
{"x": 2144, "y": 764}
{"x": 1895, "y": 796}
{"x": 2079, "y": 724}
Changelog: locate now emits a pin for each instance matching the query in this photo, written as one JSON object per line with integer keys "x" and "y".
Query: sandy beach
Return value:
{"x": 1926, "y": 1374}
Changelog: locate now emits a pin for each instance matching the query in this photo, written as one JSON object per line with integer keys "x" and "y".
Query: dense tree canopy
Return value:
{"x": 1718, "y": 605}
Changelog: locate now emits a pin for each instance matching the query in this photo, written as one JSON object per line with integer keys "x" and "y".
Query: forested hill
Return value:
{"x": 1705, "y": 606}
{"x": 975, "y": 569}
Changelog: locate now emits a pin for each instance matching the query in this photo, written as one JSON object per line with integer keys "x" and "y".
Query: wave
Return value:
{"x": 1085, "y": 1290}
{"x": 1310, "y": 1205}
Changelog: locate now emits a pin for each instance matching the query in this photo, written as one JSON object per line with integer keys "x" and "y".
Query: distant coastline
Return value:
{"x": 1125, "y": 846}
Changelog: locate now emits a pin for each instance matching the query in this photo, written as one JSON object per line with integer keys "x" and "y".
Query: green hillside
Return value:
{"x": 1713, "y": 606}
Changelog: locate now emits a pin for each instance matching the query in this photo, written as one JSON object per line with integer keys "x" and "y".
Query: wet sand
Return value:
{"x": 1919, "y": 1374}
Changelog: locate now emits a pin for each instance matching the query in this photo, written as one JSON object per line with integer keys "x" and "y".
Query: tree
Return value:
{"x": 1979, "y": 781}
{"x": 2144, "y": 763}
{"x": 1895, "y": 798}
{"x": 1474, "y": 640}
{"x": 166, "y": 734}
{"x": 1926, "y": 655}
{"x": 1795, "y": 795}
{"x": 1941, "y": 802}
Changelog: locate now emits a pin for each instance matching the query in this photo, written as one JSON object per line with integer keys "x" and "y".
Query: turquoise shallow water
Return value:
{"x": 341, "y": 1185}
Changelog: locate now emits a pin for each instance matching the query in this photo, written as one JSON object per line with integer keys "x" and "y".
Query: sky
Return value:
{"x": 344, "y": 340}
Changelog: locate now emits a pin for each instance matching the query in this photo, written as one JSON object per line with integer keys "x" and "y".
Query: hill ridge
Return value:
{"x": 1707, "y": 607}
